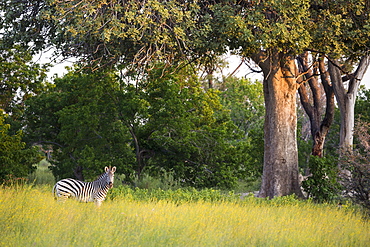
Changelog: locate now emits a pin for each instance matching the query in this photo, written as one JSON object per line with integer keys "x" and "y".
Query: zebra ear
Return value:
{"x": 106, "y": 169}
{"x": 113, "y": 169}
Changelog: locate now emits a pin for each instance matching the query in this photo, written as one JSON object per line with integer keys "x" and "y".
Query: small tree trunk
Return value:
{"x": 346, "y": 127}
{"x": 347, "y": 122}
{"x": 347, "y": 98}
{"x": 78, "y": 173}
{"x": 280, "y": 170}
{"x": 139, "y": 159}
{"x": 318, "y": 144}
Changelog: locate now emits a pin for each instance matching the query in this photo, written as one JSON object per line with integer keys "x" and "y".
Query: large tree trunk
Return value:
{"x": 346, "y": 99}
{"x": 280, "y": 170}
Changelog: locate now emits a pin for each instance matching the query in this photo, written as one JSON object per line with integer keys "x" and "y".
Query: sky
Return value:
{"x": 234, "y": 62}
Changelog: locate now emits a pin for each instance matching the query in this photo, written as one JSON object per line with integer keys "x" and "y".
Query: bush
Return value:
{"x": 355, "y": 167}
{"x": 165, "y": 182}
{"x": 322, "y": 185}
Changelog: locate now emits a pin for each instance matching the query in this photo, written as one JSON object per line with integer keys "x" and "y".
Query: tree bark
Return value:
{"x": 280, "y": 170}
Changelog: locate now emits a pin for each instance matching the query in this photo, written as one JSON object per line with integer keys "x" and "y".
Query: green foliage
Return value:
{"x": 244, "y": 99}
{"x": 16, "y": 160}
{"x": 134, "y": 31}
{"x": 362, "y": 107}
{"x": 164, "y": 123}
{"x": 169, "y": 31}
{"x": 165, "y": 181}
{"x": 191, "y": 133}
{"x": 322, "y": 185}
{"x": 22, "y": 23}
{"x": 250, "y": 184}
{"x": 304, "y": 153}
{"x": 78, "y": 119}
{"x": 20, "y": 79}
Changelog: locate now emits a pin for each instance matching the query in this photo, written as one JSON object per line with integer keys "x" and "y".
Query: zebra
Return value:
{"x": 85, "y": 191}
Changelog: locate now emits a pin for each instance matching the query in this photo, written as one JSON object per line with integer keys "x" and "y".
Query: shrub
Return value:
{"x": 322, "y": 185}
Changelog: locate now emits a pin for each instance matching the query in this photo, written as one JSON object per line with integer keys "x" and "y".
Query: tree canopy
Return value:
{"x": 136, "y": 32}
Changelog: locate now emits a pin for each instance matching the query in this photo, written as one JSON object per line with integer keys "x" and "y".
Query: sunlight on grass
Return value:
{"x": 31, "y": 217}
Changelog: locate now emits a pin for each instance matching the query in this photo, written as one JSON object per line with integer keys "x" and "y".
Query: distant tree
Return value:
{"x": 20, "y": 79}
{"x": 78, "y": 119}
{"x": 161, "y": 123}
{"x": 16, "y": 160}
{"x": 244, "y": 99}
{"x": 191, "y": 133}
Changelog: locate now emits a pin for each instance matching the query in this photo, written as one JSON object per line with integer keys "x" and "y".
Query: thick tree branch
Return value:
{"x": 312, "y": 80}
{"x": 330, "y": 106}
{"x": 359, "y": 74}
{"x": 336, "y": 80}
{"x": 303, "y": 95}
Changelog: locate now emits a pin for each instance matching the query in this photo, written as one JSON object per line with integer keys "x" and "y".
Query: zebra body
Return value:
{"x": 95, "y": 191}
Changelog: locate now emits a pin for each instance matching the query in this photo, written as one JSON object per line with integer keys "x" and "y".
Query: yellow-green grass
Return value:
{"x": 31, "y": 217}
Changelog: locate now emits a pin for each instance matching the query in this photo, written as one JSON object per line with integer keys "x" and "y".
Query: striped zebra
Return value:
{"x": 95, "y": 191}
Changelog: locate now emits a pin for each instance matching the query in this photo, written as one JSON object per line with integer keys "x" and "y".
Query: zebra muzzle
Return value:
{"x": 110, "y": 185}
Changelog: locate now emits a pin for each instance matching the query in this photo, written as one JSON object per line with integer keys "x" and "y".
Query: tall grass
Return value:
{"x": 31, "y": 217}
{"x": 42, "y": 175}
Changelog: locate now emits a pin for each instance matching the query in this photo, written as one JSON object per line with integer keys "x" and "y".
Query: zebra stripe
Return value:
{"x": 95, "y": 191}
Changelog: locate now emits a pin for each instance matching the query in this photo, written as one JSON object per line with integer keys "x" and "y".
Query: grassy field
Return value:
{"x": 31, "y": 217}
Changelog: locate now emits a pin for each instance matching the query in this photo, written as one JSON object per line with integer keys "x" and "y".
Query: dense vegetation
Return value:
{"x": 160, "y": 124}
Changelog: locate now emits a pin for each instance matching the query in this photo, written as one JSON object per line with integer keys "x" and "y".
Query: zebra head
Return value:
{"x": 110, "y": 175}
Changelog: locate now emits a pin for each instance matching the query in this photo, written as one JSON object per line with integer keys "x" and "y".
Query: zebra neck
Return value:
{"x": 101, "y": 184}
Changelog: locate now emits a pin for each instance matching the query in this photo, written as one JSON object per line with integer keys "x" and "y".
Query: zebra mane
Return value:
{"x": 102, "y": 175}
